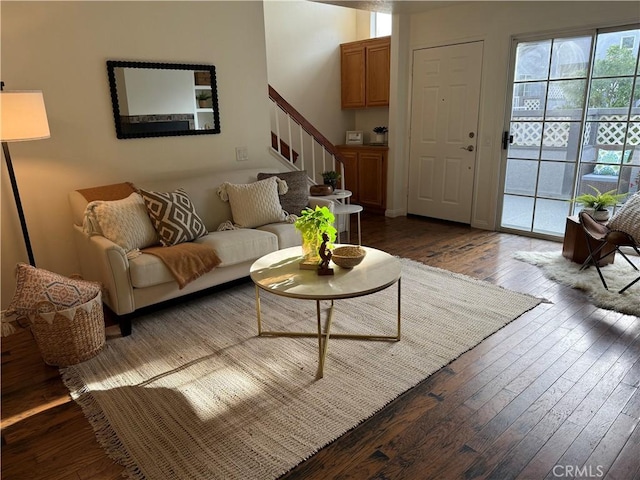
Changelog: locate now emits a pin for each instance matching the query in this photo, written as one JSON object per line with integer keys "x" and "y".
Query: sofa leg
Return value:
{"x": 125, "y": 325}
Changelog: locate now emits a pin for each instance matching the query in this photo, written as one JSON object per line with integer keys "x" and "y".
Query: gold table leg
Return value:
{"x": 323, "y": 337}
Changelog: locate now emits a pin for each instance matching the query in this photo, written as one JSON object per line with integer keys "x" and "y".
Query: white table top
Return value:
{"x": 279, "y": 273}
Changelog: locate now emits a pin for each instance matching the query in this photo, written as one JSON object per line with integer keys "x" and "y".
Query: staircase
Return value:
{"x": 298, "y": 143}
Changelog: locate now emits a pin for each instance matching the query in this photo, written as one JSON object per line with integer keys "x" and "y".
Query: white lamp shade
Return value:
{"x": 23, "y": 116}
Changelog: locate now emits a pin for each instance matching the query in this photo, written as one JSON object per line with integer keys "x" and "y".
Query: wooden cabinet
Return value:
{"x": 365, "y": 174}
{"x": 364, "y": 69}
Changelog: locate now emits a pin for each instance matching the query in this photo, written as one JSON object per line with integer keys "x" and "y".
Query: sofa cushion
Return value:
{"x": 174, "y": 216}
{"x": 286, "y": 233}
{"x": 254, "y": 204}
{"x": 125, "y": 222}
{"x": 232, "y": 247}
{"x": 297, "y": 196}
{"x": 35, "y": 285}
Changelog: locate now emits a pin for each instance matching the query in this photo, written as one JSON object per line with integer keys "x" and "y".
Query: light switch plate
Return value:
{"x": 242, "y": 154}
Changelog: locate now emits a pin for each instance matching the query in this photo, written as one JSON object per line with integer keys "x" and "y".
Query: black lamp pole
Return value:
{"x": 16, "y": 196}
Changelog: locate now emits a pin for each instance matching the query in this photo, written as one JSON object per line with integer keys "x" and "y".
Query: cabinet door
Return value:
{"x": 372, "y": 180}
{"x": 352, "y": 71}
{"x": 351, "y": 173}
{"x": 378, "y": 73}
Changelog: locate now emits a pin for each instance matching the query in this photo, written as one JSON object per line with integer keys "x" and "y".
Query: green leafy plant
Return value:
{"x": 312, "y": 223}
{"x": 331, "y": 175}
{"x": 203, "y": 96}
{"x": 599, "y": 201}
{"x": 380, "y": 130}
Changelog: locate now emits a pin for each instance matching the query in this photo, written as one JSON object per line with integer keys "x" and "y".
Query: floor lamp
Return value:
{"x": 23, "y": 118}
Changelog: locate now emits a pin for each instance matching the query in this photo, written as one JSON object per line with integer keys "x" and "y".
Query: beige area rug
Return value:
{"x": 193, "y": 393}
{"x": 617, "y": 275}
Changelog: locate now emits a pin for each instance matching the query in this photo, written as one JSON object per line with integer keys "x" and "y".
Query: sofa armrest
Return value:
{"x": 321, "y": 202}
{"x": 103, "y": 261}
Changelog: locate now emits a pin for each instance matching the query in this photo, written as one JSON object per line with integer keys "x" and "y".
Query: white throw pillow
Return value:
{"x": 627, "y": 218}
{"x": 254, "y": 204}
{"x": 125, "y": 222}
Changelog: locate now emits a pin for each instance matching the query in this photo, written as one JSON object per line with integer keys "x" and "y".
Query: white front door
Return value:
{"x": 444, "y": 130}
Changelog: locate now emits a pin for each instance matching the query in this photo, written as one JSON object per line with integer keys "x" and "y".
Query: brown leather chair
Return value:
{"x": 602, "y": 236}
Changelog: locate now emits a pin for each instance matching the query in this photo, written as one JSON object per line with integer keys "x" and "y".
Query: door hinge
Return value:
{"x": 506, "y": 140}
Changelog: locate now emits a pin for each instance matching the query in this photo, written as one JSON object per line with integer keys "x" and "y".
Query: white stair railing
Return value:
{"x": 302, "y": 146}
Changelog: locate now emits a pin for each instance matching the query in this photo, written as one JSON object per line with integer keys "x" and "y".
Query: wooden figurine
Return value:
{"x": 325, "y": 255}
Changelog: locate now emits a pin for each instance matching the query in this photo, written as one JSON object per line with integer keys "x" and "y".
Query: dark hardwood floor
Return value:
{"x": 555, "y": 394}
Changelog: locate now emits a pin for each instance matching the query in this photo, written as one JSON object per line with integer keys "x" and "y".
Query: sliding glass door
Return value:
{"x": 574, "y": 125}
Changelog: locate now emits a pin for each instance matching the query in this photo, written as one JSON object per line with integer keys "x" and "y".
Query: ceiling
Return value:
{"x": 390, "y": 6}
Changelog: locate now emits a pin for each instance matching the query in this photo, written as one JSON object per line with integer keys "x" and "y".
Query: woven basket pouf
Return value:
{"x": 70, "y": 336}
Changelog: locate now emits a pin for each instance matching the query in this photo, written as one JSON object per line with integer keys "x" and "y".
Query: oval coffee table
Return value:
{"x": 280, "y": 274}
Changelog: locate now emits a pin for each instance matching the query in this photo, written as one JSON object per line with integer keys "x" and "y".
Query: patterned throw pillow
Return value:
{"x": 35, "y": 285}
{"x": 254, "y": 204}
{"x": 174, "y": 216}
{"x": 125, "y": 222}
{"x": 627, "y": 218}
{"x": 297, "y": 197}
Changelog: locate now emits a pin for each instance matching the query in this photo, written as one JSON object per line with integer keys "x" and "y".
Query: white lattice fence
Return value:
{"x": 528, "y": 134}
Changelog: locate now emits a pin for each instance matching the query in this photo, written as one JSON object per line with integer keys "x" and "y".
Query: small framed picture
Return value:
{"x": 354, "y": 137}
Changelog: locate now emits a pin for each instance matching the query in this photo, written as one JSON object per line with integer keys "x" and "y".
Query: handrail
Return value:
{"x": 304, "y": 123}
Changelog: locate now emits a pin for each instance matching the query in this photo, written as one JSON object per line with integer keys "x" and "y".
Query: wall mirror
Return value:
{"x": 163, "y": 99}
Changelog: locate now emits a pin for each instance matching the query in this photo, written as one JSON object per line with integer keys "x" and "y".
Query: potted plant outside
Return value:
{"x": 311, "y": 224}
{"x": 380, "y": 134}
{"x": 331, "y": 177}
{"x": 203, "y": 99}
{"x": 596, "y": 204}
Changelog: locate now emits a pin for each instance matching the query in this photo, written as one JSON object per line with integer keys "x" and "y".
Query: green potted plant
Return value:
{"x": 380, "y": 133}
{"x": 311, "y": 224}
{"x": 203, "y": 98}
{"x": 331, "y": 177}
{"x": 596, "y": 204}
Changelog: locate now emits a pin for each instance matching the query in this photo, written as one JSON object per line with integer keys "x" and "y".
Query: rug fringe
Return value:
{"x": 105, "y": 434}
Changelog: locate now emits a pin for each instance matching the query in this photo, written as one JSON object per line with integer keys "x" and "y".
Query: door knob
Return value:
{"x": 468, "y": 148}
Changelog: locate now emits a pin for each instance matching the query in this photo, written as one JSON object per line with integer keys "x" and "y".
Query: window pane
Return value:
{"x": 631, "y": 179}
{"x": 633, "y": 143}
{"x": 551, "y": 216}
{"x": 521, "y": 177}
{"x": 532, "y": 61}
{"x": 604, "y": 133}
{"x": 556, "y": 180}
{"x": 517, "y": 212}
{"x": 611, "y": 93}
{"x": 528, "y": 100}
{"x": 560, "y": 141}
{"x": 566, "y": 99}
{"x": 616, "y": 53}
{"x": 635, "y": 102}
{"x": 570, "y": 57}
{"x": 527, "y": 137}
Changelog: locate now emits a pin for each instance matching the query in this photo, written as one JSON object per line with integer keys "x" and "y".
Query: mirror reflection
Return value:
{"x": 163, "y": 99}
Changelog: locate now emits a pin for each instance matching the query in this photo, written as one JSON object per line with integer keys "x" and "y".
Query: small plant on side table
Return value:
{"x": 331, "y": 177}
{"x": 597, "y": 204}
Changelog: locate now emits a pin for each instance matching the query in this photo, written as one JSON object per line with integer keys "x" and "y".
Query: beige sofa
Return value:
{"x": 133, "y": 283}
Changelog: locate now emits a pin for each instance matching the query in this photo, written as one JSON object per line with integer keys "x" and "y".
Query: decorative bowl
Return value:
{"x": 320, "y": 190}
{"x": 348, "y": 256}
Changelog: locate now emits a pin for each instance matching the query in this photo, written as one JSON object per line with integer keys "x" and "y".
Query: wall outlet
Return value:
{"x": 242, "y": 154}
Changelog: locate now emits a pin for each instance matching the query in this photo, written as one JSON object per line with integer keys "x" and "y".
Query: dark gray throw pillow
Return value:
{"x": 297, "y": 197}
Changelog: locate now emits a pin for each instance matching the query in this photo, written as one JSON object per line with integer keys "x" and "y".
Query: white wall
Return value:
{"x": 61, "y": 48}
{"x": 303, "y": 60}
{"x": 494, "y": 23}
{"x": 147, "y": 91}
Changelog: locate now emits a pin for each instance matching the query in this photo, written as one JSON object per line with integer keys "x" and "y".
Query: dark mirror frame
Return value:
{"x": 120, "y": 131}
